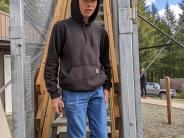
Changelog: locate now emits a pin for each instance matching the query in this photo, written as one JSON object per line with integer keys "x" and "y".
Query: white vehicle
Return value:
{"x": 154, "y": 89}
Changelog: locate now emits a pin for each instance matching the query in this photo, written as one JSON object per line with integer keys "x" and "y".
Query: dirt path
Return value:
{"x": 155, "y": 101}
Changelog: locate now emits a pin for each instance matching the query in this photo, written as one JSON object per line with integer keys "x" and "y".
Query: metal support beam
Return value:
{"x": 157, "y": 46}
{"x": 17, "y": 58}
{"x": 129, "y": 71}
{"x": 162, "y": 49}
{"x": 164, "y": 33}
{"x": 137, "y": 89}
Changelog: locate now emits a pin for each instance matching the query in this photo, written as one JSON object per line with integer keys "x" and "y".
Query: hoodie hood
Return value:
{"x": 76, "y": 14}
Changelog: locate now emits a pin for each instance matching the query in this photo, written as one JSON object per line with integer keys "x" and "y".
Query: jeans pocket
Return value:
{"x": 75, "y": 100}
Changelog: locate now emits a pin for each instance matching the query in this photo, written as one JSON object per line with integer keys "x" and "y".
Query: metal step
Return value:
{"x": 62, "y": 121}
{"x": 60, "y": 126}
{"x": 64, "y": 135}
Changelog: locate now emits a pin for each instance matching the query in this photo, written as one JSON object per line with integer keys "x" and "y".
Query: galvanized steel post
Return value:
{"x": 129, "y": 70}
{"x": 17, "y": 59}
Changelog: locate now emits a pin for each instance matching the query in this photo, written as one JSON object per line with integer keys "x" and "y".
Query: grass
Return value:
{"x": 180, "y": 95}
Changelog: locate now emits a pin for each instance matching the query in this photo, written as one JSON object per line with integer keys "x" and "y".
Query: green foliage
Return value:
{"x": 180, "y": 95}
{"x": 170, "y": 18}
{"x": 4, "y": 5}
{"x": 170, "y": 62}
{"x": 181, "y": 5}
{"x": 154, "y": 10}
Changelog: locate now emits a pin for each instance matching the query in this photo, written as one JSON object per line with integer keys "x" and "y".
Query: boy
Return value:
{"x": 81, "y": 48}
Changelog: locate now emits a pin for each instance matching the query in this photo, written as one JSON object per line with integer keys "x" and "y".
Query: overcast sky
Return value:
{"x": 161, "y": 6}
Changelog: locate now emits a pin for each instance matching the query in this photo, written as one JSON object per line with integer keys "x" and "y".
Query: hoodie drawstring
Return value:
{"x": 92, "y": 36}
{"x": 85, "y": 34}
{"x": 84, "y": 30}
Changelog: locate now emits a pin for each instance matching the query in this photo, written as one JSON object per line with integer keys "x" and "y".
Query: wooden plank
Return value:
{"x": 59, "y": 14}
{"x": 68, "y": 11}
{"x": 41, "y": 112}
{"x": 118, "y": 123}
{"x": 40, "y": 117}
{"x": 48, "y": 120}
{"x": 39, "y": 101}
{"x": 42, "y": 66}
{"x": 115, "y": 101}
{"x": 133, "y": 3}
{"x": 57, "y": 11}
{"x": 41, "y": 108}
{"x": 112, "y": 112}
{"x": 117, "y": 134}
{"x": 113, "y": 124}
{"x": 116, "y": 88}
{"x": 44, "y": 115}
{"x": 108, "y": 24}
{"x": 64, "y": 9}
{"x": 4, "y": 128}
{"x": 116, "y": 106}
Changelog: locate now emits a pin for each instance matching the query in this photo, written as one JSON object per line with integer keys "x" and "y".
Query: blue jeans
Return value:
{"x": 80, "y": 105}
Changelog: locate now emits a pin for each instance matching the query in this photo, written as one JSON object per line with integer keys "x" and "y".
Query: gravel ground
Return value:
{"x": 155, "y": 122}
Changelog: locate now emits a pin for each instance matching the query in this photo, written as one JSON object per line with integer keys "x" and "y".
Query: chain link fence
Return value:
{"x": 37, "y": 18}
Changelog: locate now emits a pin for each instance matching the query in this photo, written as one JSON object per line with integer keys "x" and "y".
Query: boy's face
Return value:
{"x": 87, "y": 7}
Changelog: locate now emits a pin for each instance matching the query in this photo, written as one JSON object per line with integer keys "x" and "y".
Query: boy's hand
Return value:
{"x": 106, "y": 95}
{"x": 57, "y": 105}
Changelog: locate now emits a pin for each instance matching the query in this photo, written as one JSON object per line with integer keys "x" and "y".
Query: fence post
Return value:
{"x": 168, "y": 98}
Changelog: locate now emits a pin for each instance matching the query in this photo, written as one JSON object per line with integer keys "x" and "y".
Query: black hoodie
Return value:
{"x": 81, "y": 50}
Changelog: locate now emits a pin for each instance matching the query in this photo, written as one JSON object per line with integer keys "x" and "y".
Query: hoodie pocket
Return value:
{"x": 84, "y": 78}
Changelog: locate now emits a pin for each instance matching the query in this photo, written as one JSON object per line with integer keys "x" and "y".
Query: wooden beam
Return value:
{"x": 168, "y": 98}
{"x": 58, "y": 14}
{"x": 68, "y": 11}
{"x": 133, "y": 3}
{"x": 108, "y": 26}
{"x": 40, "y": 117}
{"x": 44, "y": 115}
{"x": 48, "y": 121}
{"x": 116, "y": 106}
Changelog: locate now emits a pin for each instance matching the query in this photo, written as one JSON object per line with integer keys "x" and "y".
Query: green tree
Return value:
{"x": 181, "y": 19}
{"x": 178, "y": 51}
{"x": 154, "y": 10}
{"x": 170, "y": 18}
{"x": 148, "y": 36}
{"x": 4, "y": 5}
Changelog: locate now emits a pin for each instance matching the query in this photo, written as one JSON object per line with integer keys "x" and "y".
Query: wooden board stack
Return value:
{"x": 114, "y": 99}
{"x": 44, "y": 115}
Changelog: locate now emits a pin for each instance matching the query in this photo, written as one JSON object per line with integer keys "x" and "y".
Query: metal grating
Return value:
{"x": 37, "y": 18}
